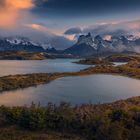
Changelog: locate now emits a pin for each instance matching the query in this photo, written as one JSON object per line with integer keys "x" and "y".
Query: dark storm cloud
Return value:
{"x": 83, "y": 7}
{"x": 73, "y": 31}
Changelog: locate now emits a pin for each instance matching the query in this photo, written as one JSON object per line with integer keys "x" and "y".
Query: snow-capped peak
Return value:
{"x": 86, "y": 39}
{"x": 20, "y": 40}
{"x": 46, "y": 46}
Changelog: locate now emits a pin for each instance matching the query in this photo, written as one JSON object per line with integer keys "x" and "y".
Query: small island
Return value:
{"x": 94, "y": 61}
{"x": 108, "y": 60}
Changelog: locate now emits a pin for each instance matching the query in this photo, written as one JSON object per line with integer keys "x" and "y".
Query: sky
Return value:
{"x": 65, "y": 13}
{"x": 67, "y": 18}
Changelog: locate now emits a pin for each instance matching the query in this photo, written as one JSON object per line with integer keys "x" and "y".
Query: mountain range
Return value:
{"x": 86, "y": 45}
{"x": 19, "y": 44}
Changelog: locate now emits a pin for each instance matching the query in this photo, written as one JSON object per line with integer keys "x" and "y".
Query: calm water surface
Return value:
{"x": 77, "y": 90}
{"x": 13, "y": 67}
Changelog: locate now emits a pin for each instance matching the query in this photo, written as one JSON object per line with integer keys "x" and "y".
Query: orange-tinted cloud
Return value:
{"x": 20, "y": 4}
{"x": 10, "y": 11}
{"x": 37, "y": 27}
{"x": 107, "y": 37}
{"x": 134, "y": 25}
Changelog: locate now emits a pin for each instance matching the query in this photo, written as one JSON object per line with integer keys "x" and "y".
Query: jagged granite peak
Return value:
{"x": 83, "y": 47}
{"x": 85, "y": 39}
{"x": 98, "y": 39}
{"x": 98, "y": 45}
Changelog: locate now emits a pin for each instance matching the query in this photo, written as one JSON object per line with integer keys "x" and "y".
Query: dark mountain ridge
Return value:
{"x": 88, "y": 46}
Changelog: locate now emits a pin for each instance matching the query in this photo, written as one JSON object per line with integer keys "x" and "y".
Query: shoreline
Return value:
{"x": 14, "y": 82}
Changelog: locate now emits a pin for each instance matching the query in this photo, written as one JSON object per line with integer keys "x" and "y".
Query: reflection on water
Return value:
{"x": 13, "y": 67}
{"x": 77, "y": 90}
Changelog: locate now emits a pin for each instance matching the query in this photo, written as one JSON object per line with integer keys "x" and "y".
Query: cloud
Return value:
{"x": 38, "y": 27}
{"x": 135, "y": 24}
{"x": 107, "y": 37}
{"x": 73, "y": 31}
{"x": 11, "y": 11}
{"x": 109, "y": 29}
{"x": 18, "y": 4}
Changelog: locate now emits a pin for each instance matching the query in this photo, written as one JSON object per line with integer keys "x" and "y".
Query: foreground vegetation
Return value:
{"x": 114, "y": 121}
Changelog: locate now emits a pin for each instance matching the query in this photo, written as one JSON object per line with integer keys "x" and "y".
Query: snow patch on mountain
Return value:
{"x": 98, "y": 44}
{"x": 20, "y": 40}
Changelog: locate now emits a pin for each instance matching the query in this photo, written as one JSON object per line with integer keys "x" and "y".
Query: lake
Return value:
{"x": 77, "y": 90}
{"x": 12, "y": 67}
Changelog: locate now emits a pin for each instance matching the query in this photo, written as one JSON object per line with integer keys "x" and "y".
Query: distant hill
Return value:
{"x": 22, "y": 55}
